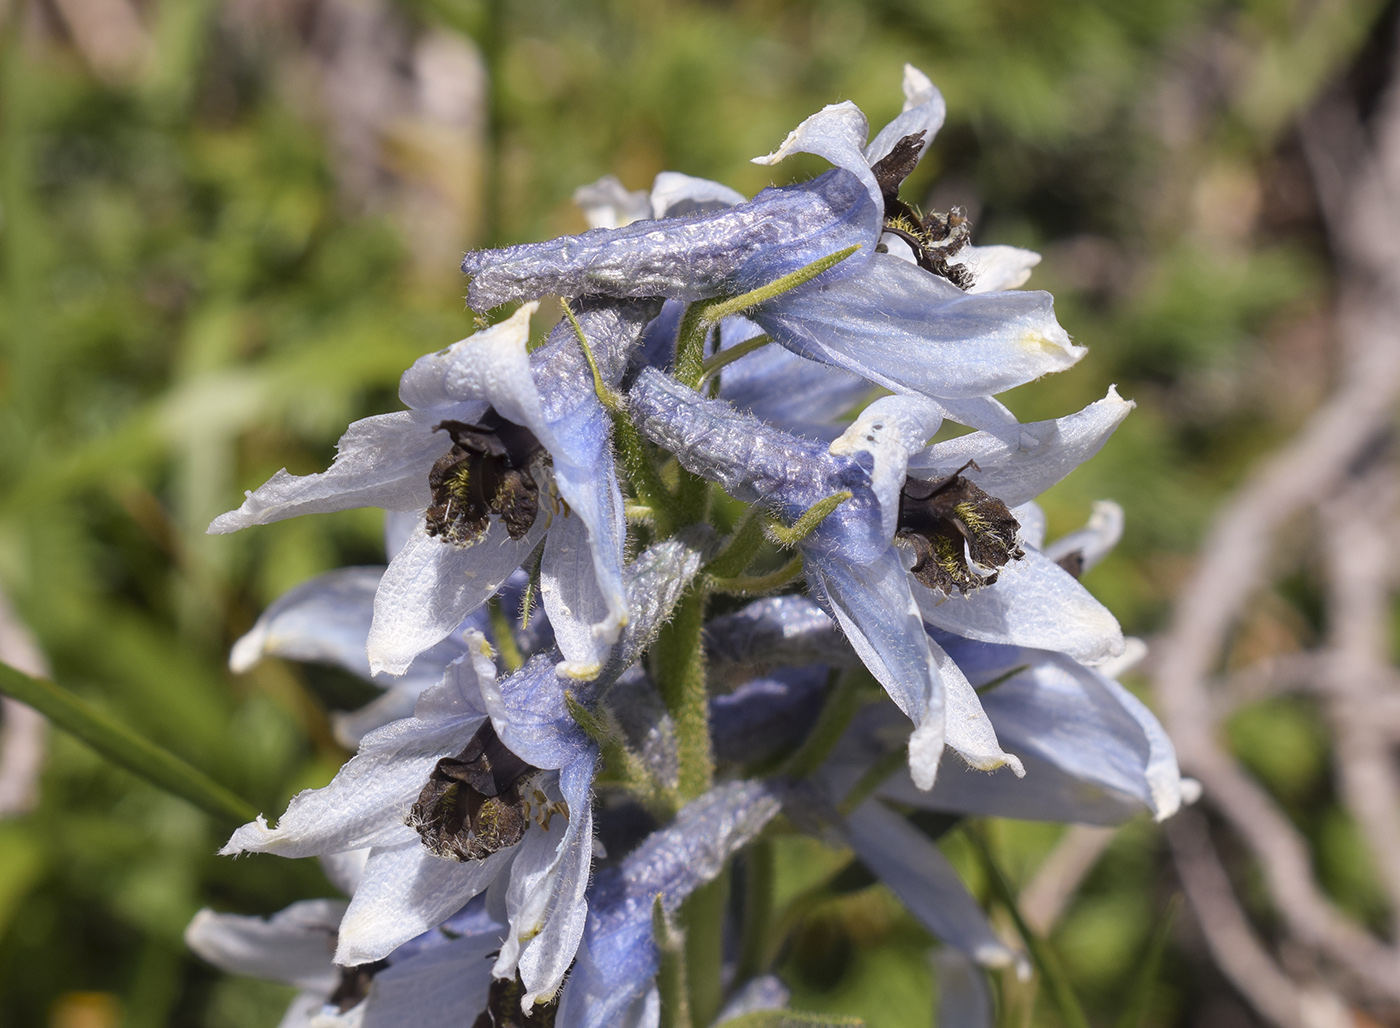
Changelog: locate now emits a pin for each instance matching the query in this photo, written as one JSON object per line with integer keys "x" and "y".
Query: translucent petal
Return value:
{"x": 381, "y": 461}
{"x": 1034, "y": 603}
{"x": 910, "y": 331}
{"x": 837, "y": 133}
{"x": 431, "y": 586}
{"x": 607, "y": 203}
{"x": 674, "y": 194}
{"x": 1043, "y": 452}
{"x": 405, "y": 891}
{"x": 924, "y": 111}
{"x": 292, "y": 946}
{"x": 995, "y": 268}
{"x": 446, "y": 985}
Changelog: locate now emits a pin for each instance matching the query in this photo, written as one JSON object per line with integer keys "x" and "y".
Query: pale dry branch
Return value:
{"x": 1360, "y": 523}
{"x": 1059, "y": 876}
{"x": 1361, "y": 187}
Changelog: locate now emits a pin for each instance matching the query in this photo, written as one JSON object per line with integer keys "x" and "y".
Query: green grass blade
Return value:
{"x": 124, "y": 747}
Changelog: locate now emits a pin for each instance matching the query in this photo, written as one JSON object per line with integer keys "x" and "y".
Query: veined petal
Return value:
{"x": 911, "y": 865}
{"x": 381, "y": 461}
{"x": 292, "y": 946}
{"x": 691, "y": 257}
{"x": 431, "y": 586}
{"x": 531, "y": 717}
{"x": 969, "y": 730}
{"x": 405, "y": 891}
{"x": 873, "y": 605}
{"x": 910, "y": 331}
{"x": 837, "y": 133}
{"x": 788, "y": 390}
{"x": 490, "y": 366}
{"x": 365, "y": 803}
{"x": 1034, "y": 603}
{"x": 1039, "y": 455}
{"x": 1163, "y": 775}
{"x": 577, "y": 608}
{"x": 325, "y": 620}
{"x": 995, "y": 268}
{"x": 548, "y": 908}
{"x": 924, "y": 111}
{"x": 1031, "y": 518}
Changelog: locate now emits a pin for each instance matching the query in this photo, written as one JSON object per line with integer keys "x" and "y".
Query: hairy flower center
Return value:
{"x": 472, "y": 805}
{"x": 489, "y": 470}
{"x": 933, "y": 237}
{"x": 947, "y": 521}
{"x": 503, "y": 1008}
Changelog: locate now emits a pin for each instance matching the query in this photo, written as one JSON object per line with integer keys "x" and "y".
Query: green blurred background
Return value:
{"x": 228, "y": 226}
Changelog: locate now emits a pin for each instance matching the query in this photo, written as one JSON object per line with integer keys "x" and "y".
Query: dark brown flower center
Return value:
{"x": 473, "y": 805}
{"x": 933, "y": 237}
{"x": 489, "y": 470}
{"x": 354, "y": 985}
{"x": 947, "y": 521}
{"x": 503, "y": 1008}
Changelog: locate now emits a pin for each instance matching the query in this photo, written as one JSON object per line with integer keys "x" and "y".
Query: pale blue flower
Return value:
{"x": 875, "y": 314}
{"x": 613, "y": 984}
{"x": 438, "y": 578}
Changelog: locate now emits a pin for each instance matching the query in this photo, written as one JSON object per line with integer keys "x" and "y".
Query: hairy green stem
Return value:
{"x": 810, "y": 519}
{"x": 671, "y": 978}
{"x": 680, "y": 674}
{"x": 874, "y": 777}
{"x": 742, "y": 546}
{"x": 759, "y": 869}
{"x": 713, "y": 365}
{"x": 124, "y": 747}
{"x": 758, "y": 585}
{"x": 503, "y": 635}
{"x": 703, "y": 917}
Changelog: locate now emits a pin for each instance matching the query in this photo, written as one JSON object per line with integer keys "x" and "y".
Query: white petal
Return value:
{"x": 404, "y": 892}
{"x": 967, "y": 727}
{"x": 924, "y": 110}
{"x": 1034, "y": 603}
{"x": 366, "y": 802}
{"x": 1032, "y": 521}
{"x": 325, "y": 620}
{"x": 432, "y": 585}
{"x": 1044, "y": 452}
{"x": 995, "y": 268}
{"x": 491, "y": 366}
{"x": 572, "y": 598}
{"x": 445, "y": 985}
{"x": 837, "y": 132}
{"x": 292, "y": 946}
{"x": 381, "y": 461}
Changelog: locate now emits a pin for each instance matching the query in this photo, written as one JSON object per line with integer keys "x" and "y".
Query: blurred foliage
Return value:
{"x": 197, "y": 287}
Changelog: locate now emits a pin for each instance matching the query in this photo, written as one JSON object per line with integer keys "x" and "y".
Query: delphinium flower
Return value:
{"x": 483, "y": 773}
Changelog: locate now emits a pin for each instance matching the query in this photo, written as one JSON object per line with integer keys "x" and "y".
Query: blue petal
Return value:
{"x": 911, "y": 331}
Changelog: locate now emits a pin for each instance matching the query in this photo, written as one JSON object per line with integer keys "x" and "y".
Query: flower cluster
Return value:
{"x": 537, "y": 792}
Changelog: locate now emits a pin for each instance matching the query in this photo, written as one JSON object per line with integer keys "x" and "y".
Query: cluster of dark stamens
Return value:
{"x": 946, "y": 522}
{"x": 933, "y": 237}
{"x": 489, "y": 470}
